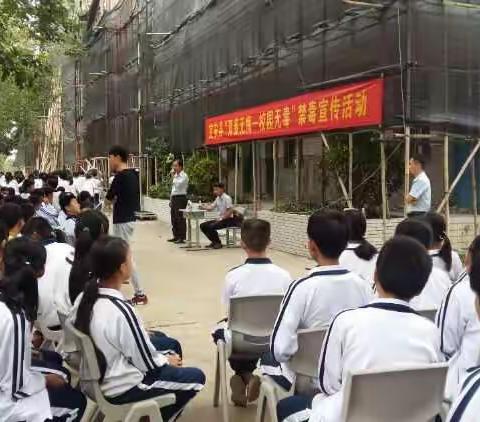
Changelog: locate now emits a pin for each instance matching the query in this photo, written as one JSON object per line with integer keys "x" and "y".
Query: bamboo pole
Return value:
{"x": 254, "y": 178}
{"x": 219, "y": 164}
{"x": 275, "y": 174}
{"x": 297, "y": 170}
{"x": 350, "y": 166}
{"x": 384, "y": 189}
{"x": 446, "y": 177}
{"x": 473, "y": 174}
{"x": 407, "y": 171}
{"x": 156, "y": 170}
{"x": 236, "y": 173}
{"x": 459, "y": 175}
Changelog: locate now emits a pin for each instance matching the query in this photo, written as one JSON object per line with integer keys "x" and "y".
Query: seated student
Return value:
{"x": 258, "y": 276}
{"x": 360, "y": 255}
{"x": 10, "y": 182}
{"x": 312, "y": 301}
{"x": 71, "y": 209}
{"x": 27, "y": 394}
{"x": 85, "y": 200}
{"x": 57, "y": 269}
{"x": 441, "y": 250}
{"x": 385, "y": 333}
{"x": 459, "y": 325}
{"x": 466, "y": 407}
{"x": 439, "y": 282}
{"x": 226, "y": 216}
{"x": 132, "y": 368}
{"x": 11, "y": 214}
{"x": 28, "y": 187}
{"x": 46, "y": 209}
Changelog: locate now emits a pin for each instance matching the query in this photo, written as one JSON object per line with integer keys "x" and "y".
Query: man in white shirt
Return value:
{"x": 226, "y": 216}
{"x": 178, "y": 201}
{"x": 419, "y": 200}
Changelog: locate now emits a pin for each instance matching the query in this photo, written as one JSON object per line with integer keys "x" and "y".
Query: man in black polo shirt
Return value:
{"x": 125, "y": 194}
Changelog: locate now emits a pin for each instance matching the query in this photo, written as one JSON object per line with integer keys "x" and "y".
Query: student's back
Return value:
{"x": 435, "y": 290}
{"x": 258, "y": 276}
{"x": 351, "y": 261}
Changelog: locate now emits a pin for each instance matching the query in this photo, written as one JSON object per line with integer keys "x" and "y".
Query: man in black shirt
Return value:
{"x": 125, "y": 194}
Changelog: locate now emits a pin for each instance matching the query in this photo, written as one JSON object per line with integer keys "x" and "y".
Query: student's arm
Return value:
{"x": 284, "y": 342}
{"x": 451, "y": 323}
{"x": 129, "y": 336}
{"x": 330, "y": 364}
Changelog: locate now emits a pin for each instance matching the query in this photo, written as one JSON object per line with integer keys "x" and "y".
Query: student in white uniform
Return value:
{"x": 78, "y": 180}
{"x": 11, "y": 214}
{"x": 385, "y": 333}
{"x": 360, "y": 255}
{"x": 46, "y": 209}
{"x": 10, "y": 182}
{"x": 459, "y": 326}
{"x": 441, "y": 250}
{"x": 57, "y": 269}
{"x": 132, "y": 369}
{"x": 312, "y": 301}
{"x": 71, "y": 209}
{"x": 256, "y": 277}
{"x": 466, "y": 407}
{"x": 439, "y": 282}
{"x": 25, "y": 393}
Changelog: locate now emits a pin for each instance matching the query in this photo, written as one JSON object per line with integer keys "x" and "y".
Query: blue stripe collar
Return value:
{"x": 391, "y": 306}
{"x": 258, "y": 261}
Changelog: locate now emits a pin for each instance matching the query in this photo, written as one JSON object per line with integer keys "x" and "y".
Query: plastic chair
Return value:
{"x": 90, "y": 376}
{"x": 305, "y": 366}
{"x": 251, "y": 323}
{"x": 429, "y": 314}
{"x": 52, "y": 339}
{"x": 411, "y": 394}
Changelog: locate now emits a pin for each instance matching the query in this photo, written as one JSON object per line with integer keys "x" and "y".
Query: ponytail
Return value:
{"x": 365, "y": 250}
{"x": 81, "y": 272}
{"x": 84, "y": 316}
{"x": 446, "y": 253}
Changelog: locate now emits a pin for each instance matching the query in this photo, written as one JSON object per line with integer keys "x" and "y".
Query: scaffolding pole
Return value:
{"x": 473, "y": 174}
{"x": 219, "y": 164}
{"x": 275, "y": 174}
{"x": 383, "y": 165}
{"x": 236, "y": 174}
{"x": 297, "y": 170}
{"x": 254, "y": 178}
{"x": 340, "y": 181}
{"x": 156, "y": 170}
{"x": 446, "y": 178}
{"x": 407, "y": 170}
{"x": 459, "y": 175}
{"x": 350, "y": 167}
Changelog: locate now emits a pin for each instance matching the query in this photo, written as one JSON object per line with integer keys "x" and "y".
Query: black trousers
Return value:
{"x": 209, "y": 228}
{"x": 179, "y": 225}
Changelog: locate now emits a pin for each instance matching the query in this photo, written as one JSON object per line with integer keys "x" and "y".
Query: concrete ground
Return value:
{"x": 184, "y": 301}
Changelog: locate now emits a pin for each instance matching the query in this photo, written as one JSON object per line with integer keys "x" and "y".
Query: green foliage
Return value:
{"x": 159, "y": 148}
{"x": 202, "y": 170}
{"x": 161, "y": 191}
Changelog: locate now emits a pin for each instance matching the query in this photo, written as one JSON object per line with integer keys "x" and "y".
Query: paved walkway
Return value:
{"x": 184, "y": 292}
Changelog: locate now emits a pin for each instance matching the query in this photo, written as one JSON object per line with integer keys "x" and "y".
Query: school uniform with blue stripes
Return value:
{"x": 457, "y": 266}
{"x": 434, "y": 291}
{"x": 466, "y": 408}
{"x": 364, "y": 268}
{"x": 135, "y": 369}
{"x": 311, "y": 302}
{"x": 460, "y": 332}
{"x": 386, "y": 333}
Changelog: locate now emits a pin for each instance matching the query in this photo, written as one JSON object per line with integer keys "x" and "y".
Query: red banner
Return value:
{"x": 354, "y": 105}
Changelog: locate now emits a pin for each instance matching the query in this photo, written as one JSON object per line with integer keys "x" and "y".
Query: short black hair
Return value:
{"x": 179, "y": 161}
{"x": 419, "y": 159}
{"x": 119, "y": 151}
{"x": 403, "y": 267}
{"x": 219, "y": 185}
{"x": 65, "y": 199}
{"x": 329, "y": 231}
{"x": 256, "y": 234}
{"x": 11, "y": 214}
{"x": 416, "y": 229}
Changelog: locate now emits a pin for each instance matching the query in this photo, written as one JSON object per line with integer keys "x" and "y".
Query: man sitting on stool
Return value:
{"x": 227, "y": 218}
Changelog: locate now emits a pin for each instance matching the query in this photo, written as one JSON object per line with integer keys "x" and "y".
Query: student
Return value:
{"x": 258, "y": 276}
{"x": 226, "y": 216}
{"x": 466, "y": 407}
{"x": 37, "y": 180}
{"x": 441, "y": 251}
{"x": 439, "y": 282}
{"x": 11, "y": 214}
{"x": 124, "y": 192}
{"x": 132, "y": 369}
{"x": 26, "y": 393}
{"x": 385, "y": 333}
{"x": 78, "y": 180}
{"x": 459, "y": 325}
{"x": 312, "y": 301}
{"x": 89, "y": 184}
{"x": 10, "y": 182}
{"x": 71, "y": 209}
{"x": 27, "y": 188}
{"x": 85, "y": 200}
{"x": 46, "y": 209}
{"x": 360, "y": 256}
{"x": 57, "y": 269}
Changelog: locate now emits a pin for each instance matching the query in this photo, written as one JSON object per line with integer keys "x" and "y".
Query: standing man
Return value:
{"x": 125, "y": 194}
{"x": 419, "y": 200}
{"x": 226, "y": 216}
{"x": 178, "y": 201}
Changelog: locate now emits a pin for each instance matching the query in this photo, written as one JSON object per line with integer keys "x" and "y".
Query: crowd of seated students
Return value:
{"x": 369, "y": 301}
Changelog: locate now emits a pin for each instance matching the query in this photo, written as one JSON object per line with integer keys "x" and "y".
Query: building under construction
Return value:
{"x": 159, "y": 69}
